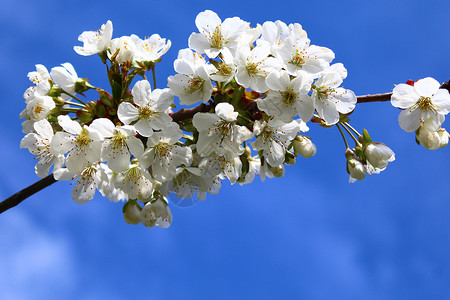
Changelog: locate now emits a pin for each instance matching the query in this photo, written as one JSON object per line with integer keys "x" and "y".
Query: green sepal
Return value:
{"x": 366, "y": 137}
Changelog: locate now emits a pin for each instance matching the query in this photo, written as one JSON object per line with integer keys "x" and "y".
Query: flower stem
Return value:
{"x": 353, "y": 129}
{"x": 154, "y": 77}
{"x": 342, "y": 134}
{"x": 350, "y": 133}
{"x": 74, "y": 97}
{"x": 75, "y": 104}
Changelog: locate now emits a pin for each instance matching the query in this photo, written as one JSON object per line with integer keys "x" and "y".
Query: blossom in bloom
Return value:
{"x": 119, "y": 142}
{"x": 275, "y": 33}
{"x": 41, "y": 79}
{"x": 150, "y": 112}
{"x": 163, "y": 156}
{"x": 65, "y": 77}
{"x": 123, "y": 49}
{"x": 378, "y": 155}
{"x": 95, "y": 41}
{"x": 216, "y": 35}
{"x": 192, "y": 84}
{"x": 273, "y": 138}
{"x": 82, "y": 143}
{"x": 423, "y": 102}
{"x": 329, "y": 98}
{"x": 136, "y": 182}
{"x": 218, "y": 133}
{"x": 226, "y": 69}
{"x": 150, "y": 49}
{"x": 298, "y": 55}
{"x": 253, "y": 66}
{"x": 39, "y": 145}
{"x": 288, "y": 98}
{"x": 156, "y": 212}
{"x": 86, "y": 181}
{"x": 222, "y": 166}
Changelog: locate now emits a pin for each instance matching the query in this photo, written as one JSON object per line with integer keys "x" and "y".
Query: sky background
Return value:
{"x": 308, "y": 235}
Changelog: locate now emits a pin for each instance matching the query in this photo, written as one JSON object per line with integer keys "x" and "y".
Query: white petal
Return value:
{"x": 127, "y": 113}
{"x": 69, "y": 125}
{"x": 103, "y": 126}
{"x": 426, "y": 87}
{"x": 410, "y": 119}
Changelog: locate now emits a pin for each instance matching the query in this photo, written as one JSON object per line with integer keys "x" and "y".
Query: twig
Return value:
{"x": 26, "y": 192}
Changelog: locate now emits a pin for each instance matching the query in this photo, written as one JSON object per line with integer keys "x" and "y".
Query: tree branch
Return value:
{"x": 26, "y": 192}
{"x": 179, "y": 117}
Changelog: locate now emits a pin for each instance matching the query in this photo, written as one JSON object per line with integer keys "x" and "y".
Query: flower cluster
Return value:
{"x": 256, "y": 89}
{"x": 424, "y": 106}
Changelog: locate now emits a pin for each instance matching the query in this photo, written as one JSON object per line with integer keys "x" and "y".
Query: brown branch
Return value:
{"x": 26, "y": 192}
{"x": 188, "y": 113}
{"x": 374, "y": 98}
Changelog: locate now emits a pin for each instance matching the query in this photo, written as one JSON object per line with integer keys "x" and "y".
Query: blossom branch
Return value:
{"x": 26, "y": 192}
{"x": 179, "y": 117}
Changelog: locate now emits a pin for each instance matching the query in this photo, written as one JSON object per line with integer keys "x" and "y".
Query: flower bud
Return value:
{"x": 428, "y": 138}
{"x": 132, "y": 212}
{"x": 304, "y": 146}
{"x": 356, "y": 169}
{"x": 379, "y": 155}
{"x": 156, "y": 212}
{"x": 443, "y": 137}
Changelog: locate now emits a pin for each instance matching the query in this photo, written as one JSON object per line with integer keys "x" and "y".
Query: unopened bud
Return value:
{"x": 131, "y": 212}
{"x": 356, "y": 169}
{"x": 304, "y": 146}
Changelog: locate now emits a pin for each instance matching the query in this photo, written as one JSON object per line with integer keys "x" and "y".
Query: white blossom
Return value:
{"x": 136, "y": 182}
{"x": 423, "y": 102}
{"x": 288, "y": 98}
{"x": 218, "y": 133}
{"x": 95, "y": 41}
{"x": 150, "y": 49}
{"x": 379, "y": 155}
{"x": 151, "y": 111}
{"x": 192, "y": 84}
{"x": 304, "y": 146}
{"x": 216, "y": 35}
{"x": 163, "y": 156}
{"x": 82, "y": 143}
{"x": 253, "y": 66}
{"x": 65, "y": 77}
{"x": 39, "y": 145}
{"x": 273, "y": 138}
{"x": 156, "y": 212}
{"x": 123, "y": 49}
{"x": 356, "y": 169}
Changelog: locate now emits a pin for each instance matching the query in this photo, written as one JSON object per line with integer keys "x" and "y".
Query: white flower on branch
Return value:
{"x": 150, "y": 112}
{"x": 39, "y": 145}
{"x": 150, "y": 49}
{"x": 216, "y": 35}
{"x": 218, "y": 133}
{"x": 82, "y": 143}
{"x": 119, "y": 142}
{"x": 288, "y": 98}
{"x": 65, "y": 77}
{"x": 95, "y": 41}
{"x": 423, "y": 102}
{"x": 163, "y": 156}
{"x": 192, "y": 84}
{"x": 156, "y": 212}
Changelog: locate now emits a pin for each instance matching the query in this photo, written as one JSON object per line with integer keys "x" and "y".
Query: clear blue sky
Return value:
{"x": 309, "y": 235}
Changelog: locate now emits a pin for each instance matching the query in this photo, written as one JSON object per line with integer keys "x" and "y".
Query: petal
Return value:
{"x": 426, "y": 87}
{"x": 103, "y": 126}
{"x": 62, "y": 142}
{"x": 410, "y": 119}
{"x": 141, "y": 92}
{"x": 127, "y": 113}
{"x": 441, "y": 100}
{"x": 404, "y": 96}
{"x": 144, "y": 128}
{"x": 207, "y": 21}
{"x": 44, "y": 129}
{"x": 69, "y": 125}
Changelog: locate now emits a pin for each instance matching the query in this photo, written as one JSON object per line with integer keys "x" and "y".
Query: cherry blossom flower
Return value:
{"x": 136, "y": 182}
{"x": 119, "y": 142}
{"x": 95, "y": 41}
{"x": 273, "y": 138}
{"x": 150, "y": 112}
{"x": 192, "y": 84}
{"x": 65, "y": 77}
{"x": 163, "y": 156}
{"x": 218, "y": 132}
{"x": 39, "y": 145}
{"x": 156, "y": 212}
{"x": 150, "y": 49}
{"x": 423, "y": 102}
{"x": 329, "y": 98}
{"x": 82, "y": 143}
{"x": 356, "y": 169}
{"x": 288, "y": 98}
{"x": 216, "y": 35}
{"x": 123, "y": 49}
{"x": 379, "y": 155}
{"x": 253, "y": 66}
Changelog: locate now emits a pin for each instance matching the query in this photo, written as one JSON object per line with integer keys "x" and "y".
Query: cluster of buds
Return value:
{"x": 257, "y": 89}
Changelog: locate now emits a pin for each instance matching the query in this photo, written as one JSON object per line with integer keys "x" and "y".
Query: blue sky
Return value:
{"x": 309, "y": 235}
